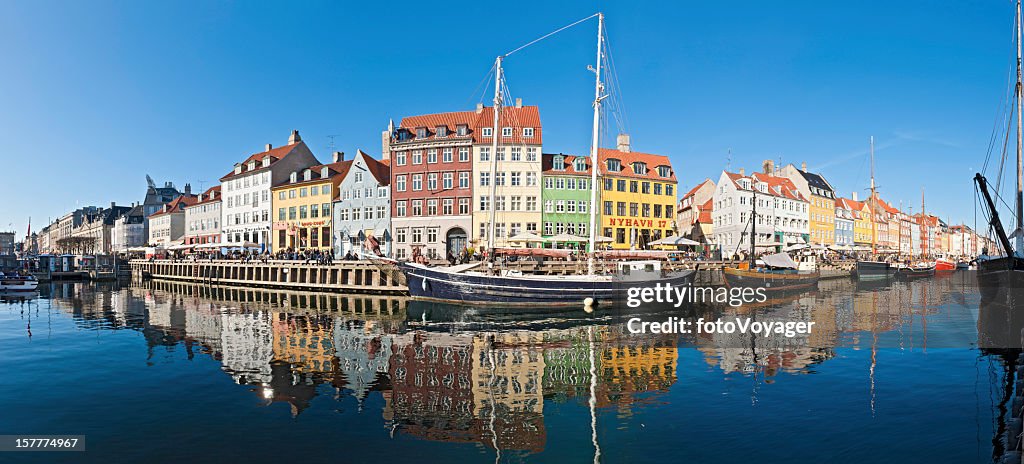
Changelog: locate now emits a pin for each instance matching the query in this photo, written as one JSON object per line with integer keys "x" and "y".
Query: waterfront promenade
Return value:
{"x": 375, "y": 277}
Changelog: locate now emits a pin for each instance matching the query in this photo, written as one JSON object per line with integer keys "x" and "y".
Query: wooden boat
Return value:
{"x": 779, "y": 274}
{"x": 873, "y": 270}
{"x": 914, "y": 272}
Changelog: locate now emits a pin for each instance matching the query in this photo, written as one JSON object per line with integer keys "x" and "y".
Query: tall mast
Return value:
{"x": 491, "y": 239}
{"x": 925, "y": 223}
{"x": 753, "y": 222}
{"x": 1019, "y": 232}
{"x": 874, "y": 251}
{"x": 594, "y": 144}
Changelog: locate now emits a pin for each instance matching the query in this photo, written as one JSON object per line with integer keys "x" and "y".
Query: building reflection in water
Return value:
{"x": 490, "y": 385}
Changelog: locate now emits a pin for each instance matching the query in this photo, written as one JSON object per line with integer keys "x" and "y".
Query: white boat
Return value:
{"x": 15, "y": 282}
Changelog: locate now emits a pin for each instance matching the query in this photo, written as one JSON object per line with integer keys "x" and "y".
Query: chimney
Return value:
{"x": 743, "y": 172}
{"x": 268, "y": 147}
{"x": 768, "y": 167}
{"x": 385, "y": 140}
{"x": 479, "y": 108}
{"x": 294, "y": 138}
{"x": 339, "y": 156}
{"x": 188, "y": 189}
{"x": 854, "y": 196}
{"x": 111, "y": 205}
{"x": 622, "y": 143}
{"x": 803, "y": 166}
{"x": 519, "y": 102}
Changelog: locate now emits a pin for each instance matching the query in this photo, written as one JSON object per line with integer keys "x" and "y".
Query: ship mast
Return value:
{"x": 491, "y": 239}
{"x": 874, "y": 250}
{"x": 1019, "y": 232}
{"x": 598, "y": 87}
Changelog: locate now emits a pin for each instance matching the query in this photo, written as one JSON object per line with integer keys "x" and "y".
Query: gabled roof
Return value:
{"x": 511, "y": 116}
{"x": 380, "y": 170}
{"x": 211, "y": 195}
{"x": 705, "y": 212}
{"x": 693, "y": 191}
{"x": 777, "y": 186}
{"x": 547, "y": 165}
{"x": 275, "y": 154}
{"x": 816, "y": 180}
{"x": 628, "y": 158}
{"x": 335, "y": 172}
{"x": 176, "y": 205}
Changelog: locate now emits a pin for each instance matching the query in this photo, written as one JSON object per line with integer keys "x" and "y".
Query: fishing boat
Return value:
{"x": 915, "y": 271}
{"x": 873, "y": 269}
{"x": 999, "y": 274}
{"x": 489, "y": 284}
{"x": 776, "y": 273}
{"x": 17, "y": 282}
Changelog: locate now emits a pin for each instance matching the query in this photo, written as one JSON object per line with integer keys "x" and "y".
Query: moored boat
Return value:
{"x": 17, "y": 282}
{"x": 872, "y": 270}
{"x": 944, "y": 265}
{"x": 914, "y": 272}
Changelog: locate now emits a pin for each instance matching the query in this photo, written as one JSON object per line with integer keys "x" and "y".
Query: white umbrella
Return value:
{"x": 603, "y": 239}
{"x": 677, "y": 240}
{"x": 566, "y": 238}
{"x": 527, "y": 237}
{"x": 798, "y": 246}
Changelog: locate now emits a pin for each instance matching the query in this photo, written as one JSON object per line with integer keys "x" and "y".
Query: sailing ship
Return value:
{"x": 476, "y": 283}
{"x": 915, "y": 271}
{"x": 873, "y": 269}
{"x": 779, "y": 273}
{"x": 1006, "y": 272}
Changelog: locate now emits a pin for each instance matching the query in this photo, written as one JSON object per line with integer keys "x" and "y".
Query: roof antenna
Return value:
{"x": 728, "y": 160}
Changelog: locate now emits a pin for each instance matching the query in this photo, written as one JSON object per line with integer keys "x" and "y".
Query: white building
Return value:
{"x": 363, "y": 208}
{"x": 202, "y": 219}
{"x": 246, "y": 191}
{"x": 129, "y": 231}
{"x": 167, "y": 226}
{"x": 782, "y": 213}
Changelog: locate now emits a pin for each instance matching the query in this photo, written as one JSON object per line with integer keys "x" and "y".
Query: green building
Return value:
{"x": 565, "y": 196}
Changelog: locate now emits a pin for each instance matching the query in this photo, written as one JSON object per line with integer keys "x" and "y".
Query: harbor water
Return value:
{"x": 166, "y": 372}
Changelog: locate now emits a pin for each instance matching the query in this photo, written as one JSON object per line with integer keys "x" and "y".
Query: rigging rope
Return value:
{"x": 550, "y": 34}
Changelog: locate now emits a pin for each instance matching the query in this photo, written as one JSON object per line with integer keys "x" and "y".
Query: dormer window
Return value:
{"x": 293, "y": 177}
{"x": 307, "y": 175}
{"x": 486, "y": 132}
{"x": 238, "y": 169}
{"x": 421, "y": 132}
{"x": 580, "y": 164}
{"x": 506, "y": 131}
{"x": 527, "y": 132}
{"x": 266, "y": 161}
{"x": 664, "y": 171}
{"x": 324, "y": 171}
{"x": 614, "y": 165}
{"x": 442, "y": 131}
{"x": 558, "y": 163}
{"x": 252, "y": 165}
{"x": 461, "y": 130}
{"x": 640, "y": 169}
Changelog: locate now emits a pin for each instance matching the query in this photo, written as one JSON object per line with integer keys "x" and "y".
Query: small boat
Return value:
{"x": 871, "y": 270}
{"x": 17, "y": 282}
{"x": 778, "y": 274}
{"x": 944, "y": 265}
{"x": 913, "y": 272}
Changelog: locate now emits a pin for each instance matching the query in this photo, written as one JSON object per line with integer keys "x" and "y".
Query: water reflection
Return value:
{"x": 471, "y": 375}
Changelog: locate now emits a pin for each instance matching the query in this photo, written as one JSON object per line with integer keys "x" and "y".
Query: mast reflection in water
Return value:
{"x": 890, "y": 372}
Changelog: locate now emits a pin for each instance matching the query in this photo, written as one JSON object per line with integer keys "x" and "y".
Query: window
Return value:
{"x": 608, "y": 208}
{"x": 461, "y": 130}
{"x": 485, "y": 153}
{"x": 399, "y": 209}
{"x": 664, "y": 171}
{"x": 432, "y": 207}
{"x": 645, "y": 187}
{"x": 485, "y": 203}
{"x": 417, "y": 235}
{"x": 432, "y": 181}
{"x": 633, "y": 186}
{"x": 548, "y": 229}
{"x": 620, "y": 208}
{"x": 640, "y": 169}
{"x": 579, "y": 164}
{"x": 291, "y": 214}
{"x": 432, "y": 155}
{"x": 417, "y": 157}
{"x": 646, "y": 210}
{"x": 417, "y": 182}
{"x": 400, "y": 235}
{"x": 514, "y": 229}
{"x": 343, "y": 214}
{"x": 614, "y": 165}
{"x": 464, "y": 179}
{"x": 463, "y": 206}
{"x": 558, "y": 163}
{"x": 517, "y": 202}
{"x": 499, "y": 178}
{"x": 499, "y": 203}
{"x": 549, "y": 206}
{"x": 485, "y": 179}
{"x": 570, "y": 183}
{"x": 668, "y": 189}
{"x": 400, "y": 183}
{"x": 421, "y": 132}
{"x": 657, "y": 189}
{"x": 417, "y": 207}
{"x": 463, "y": 154}
{"x": 280, "y": 214}
{"x": 314, "y": 212}
{"x": 431, "y": 234}
{"x": 581, "y": 206}
{"x": 441, "y": 131}
{"x": 620, "y": 185}
{"x": 280, "y": 195}
{"x": 527, "y": 132}
{"x": 325, "y": 209}
{"x": 325, "y": 190}
{"x": 517, "y": 153}
{"x": 359, "y": 176}
{"x": 531, "y": 179}
{"x": 382, "y": 192}
{"x": 381, "y": 212}
{"x": 486, "y": 132}
{"x": 291, "y": 193}
{"x": 549, "y": 182}
{"x": 448, "y": 180}
{"x": 560, "y": 206}
{"x": 531, "y": 203}
{"x": 657, "y": 211}
{"x": 400, "y": 158}
{"x": 446, "y": 155}
{"x": 633, "y": 209}
{"x": 506, "y": 131}
{"x": 448, "y": 206}
{"x": 531, "y": 154}
{"x": 500, "y": 154}
{"x": 560, "y": 183}
{"x": 303, "y": 213}
{"x": 570, "y": 207}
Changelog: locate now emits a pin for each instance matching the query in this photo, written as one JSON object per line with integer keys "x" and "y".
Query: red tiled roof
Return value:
{"x": 208, "y": 196}
{"x": 176, "y": 205}
{"x": 274, "y": 154}
{"x": 626, "y": 159}
{"x": 568, "y": 164}
{"x": 380, "y": 171}
{"x": 705, "y": 212}
{"x": 693, "y": 191}
{"x": 777, "y": 186}
{"x": 511, "y": 116}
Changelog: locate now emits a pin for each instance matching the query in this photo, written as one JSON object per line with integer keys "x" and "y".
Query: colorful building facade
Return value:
{"x": 638, "y": 196}
{"x": 303, "y": 205}
{"x": 363, "y": 209}
{"x": 565, "y": 196}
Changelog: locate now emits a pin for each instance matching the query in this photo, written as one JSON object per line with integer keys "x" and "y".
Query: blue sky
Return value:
{"x": 94, "y": 95}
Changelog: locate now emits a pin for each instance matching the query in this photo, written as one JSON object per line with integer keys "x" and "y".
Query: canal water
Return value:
{"x": 165, "y": 372}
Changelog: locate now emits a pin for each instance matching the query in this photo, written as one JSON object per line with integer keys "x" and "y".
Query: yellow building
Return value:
{"x": 301, "y": 207}
{"x": 638, "y": 196}
{"x": 862, "y": 224}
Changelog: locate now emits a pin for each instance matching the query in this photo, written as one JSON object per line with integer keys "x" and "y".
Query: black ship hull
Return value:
{"x": 915, "y": 272}
{"x": 873, "y": 270}
{"x": 1001, "y": 279}
{"x": 772, "y": 282}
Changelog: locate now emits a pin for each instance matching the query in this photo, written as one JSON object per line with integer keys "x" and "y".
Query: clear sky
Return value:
{"x": 94, "y": 95}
